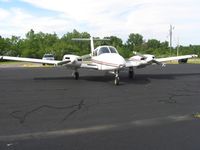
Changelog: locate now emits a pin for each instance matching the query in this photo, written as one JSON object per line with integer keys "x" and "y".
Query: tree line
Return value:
{"x": 35, "y": 45}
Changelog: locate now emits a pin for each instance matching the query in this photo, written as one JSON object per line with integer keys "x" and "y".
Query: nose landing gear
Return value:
{"x": 75, "y": 74}
{"x": 116, "y": 77}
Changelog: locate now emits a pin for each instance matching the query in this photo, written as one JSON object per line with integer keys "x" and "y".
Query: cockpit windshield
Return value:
{"x": 112, "y": 49}
{"x": 106, "y": 49}
{"x": 103, "y": 50}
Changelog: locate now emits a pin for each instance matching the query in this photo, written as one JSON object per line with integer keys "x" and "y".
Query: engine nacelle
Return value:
{"x": 146, "y": 57}
{"x": 75, "y": 60}
{"x": 136, "y": 58}
{"x": 149, "y": 57}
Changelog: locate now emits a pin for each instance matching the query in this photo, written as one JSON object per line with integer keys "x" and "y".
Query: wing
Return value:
{"x": 33, "y": 60}
{"x": 68, "y": 63}
{"x": 175, "y": 58}
{"x": 148, "y": 60}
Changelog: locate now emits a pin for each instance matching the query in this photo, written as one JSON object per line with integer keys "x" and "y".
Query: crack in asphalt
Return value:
{"x": 172, "y": 98}
{"x": 22, "y": 119}
{"x": 180, "y": 93}
{"x": 75, "y": 108}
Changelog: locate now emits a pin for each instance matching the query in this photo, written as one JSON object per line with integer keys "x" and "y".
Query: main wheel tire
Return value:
{"x": 116, "y": 80}
{"x": 131, "y": 75}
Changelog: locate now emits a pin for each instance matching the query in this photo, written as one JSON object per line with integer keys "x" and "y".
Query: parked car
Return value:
{"x": 48, "y": 57}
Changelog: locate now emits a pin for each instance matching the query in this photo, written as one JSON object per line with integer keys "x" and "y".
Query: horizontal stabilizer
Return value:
{"x": 88, "y": 39}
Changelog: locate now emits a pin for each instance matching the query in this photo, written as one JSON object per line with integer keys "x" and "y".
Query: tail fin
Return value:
{"x": 91, "y": 39}
{"x": 86, "y": 39}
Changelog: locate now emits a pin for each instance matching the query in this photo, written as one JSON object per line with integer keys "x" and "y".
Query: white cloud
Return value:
{"x": 3, "y": 14}
{"x": 110, "y": 17}
{"x": 18, "y": 22}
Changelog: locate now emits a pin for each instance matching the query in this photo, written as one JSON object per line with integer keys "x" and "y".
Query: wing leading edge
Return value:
{"x": 175, "y": 58}
{"x": 34, "y": 60}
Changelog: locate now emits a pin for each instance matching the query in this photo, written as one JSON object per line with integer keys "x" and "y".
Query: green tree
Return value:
{"x": 37, "y": 44}
{"x": 30, "y": 45}
{"x": 153, "y": 43}
{"x": 3, "y": 46}
{"x": 67, "y": 46}
{"x": 134, "y": 42}
{"x": 15, "y": 46}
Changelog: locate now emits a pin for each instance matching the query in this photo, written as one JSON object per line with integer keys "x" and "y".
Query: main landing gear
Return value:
{"x": 131, "y": 74}
{"x": 116, "y": 77}
{"x": 116, "y": 73}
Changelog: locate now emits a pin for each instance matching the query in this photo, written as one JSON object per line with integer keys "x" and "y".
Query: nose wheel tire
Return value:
{"x": 116, "y": 81}
{"x": 76, "y": 75}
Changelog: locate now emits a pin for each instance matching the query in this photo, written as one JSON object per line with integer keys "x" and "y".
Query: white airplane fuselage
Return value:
{"x": 109, "y": 61}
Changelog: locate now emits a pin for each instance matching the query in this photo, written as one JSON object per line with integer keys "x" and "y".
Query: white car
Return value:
{"x": 48, "y": 57}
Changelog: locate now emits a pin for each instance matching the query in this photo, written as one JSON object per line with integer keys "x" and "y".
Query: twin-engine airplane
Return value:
{"x": 105, "y": 58}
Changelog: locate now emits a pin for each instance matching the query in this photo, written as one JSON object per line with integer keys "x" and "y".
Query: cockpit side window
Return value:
{"x": 112, "y": 49}
{"x": 103, "y": 50}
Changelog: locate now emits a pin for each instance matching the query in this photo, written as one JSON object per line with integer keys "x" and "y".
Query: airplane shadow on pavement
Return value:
{"x": 138, "y": 79}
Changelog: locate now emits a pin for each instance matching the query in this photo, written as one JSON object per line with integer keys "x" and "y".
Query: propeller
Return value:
{"x": 158, "y": 63}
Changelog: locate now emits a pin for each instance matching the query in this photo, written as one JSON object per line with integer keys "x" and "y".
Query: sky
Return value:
{"x": 102, "y": 18}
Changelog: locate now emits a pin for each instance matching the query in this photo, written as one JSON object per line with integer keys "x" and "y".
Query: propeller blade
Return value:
{"x": 158, "y": 63}
{"x": 63, "y": 62}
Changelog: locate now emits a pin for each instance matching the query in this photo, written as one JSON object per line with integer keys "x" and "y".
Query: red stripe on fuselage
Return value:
{"x": 105, "y": 63}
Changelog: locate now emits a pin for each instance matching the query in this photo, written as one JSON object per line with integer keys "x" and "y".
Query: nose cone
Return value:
{"x": 112, "y": 61}
{"x": 119, "y": 60}
{"x": 122, "y": 62}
